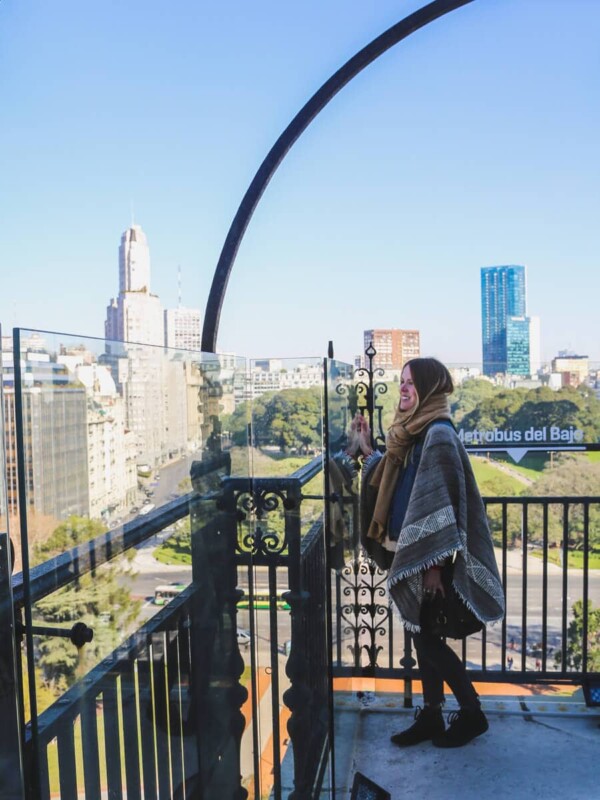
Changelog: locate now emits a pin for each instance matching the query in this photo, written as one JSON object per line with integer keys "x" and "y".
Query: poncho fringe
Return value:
{"x": 445, "y": 517}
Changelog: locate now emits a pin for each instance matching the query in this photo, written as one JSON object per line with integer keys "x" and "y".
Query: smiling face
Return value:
{"x": 408, "y": 393}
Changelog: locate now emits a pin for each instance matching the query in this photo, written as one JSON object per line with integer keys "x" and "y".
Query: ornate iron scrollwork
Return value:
{"x": 259, "y": 540}
{"x": 362, "y": 396}
{"x": 363, "y": 584}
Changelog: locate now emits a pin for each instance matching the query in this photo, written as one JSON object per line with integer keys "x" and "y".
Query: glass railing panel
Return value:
{"x": 11, "y": 767}
{"x": 283, "y": 399}
{"x": 114, "y": 437}
{"x": 342, "y": 404}
{"x": 221, "y": 649}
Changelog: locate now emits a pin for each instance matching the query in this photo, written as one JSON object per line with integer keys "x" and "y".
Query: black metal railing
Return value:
{"x": 133, "y": 737}
{"x": 147, "y": 720}
{"x": 140, "y": 721}
{"x": 536, "y": 642}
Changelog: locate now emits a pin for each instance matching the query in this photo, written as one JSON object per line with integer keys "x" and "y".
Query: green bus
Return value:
{"x": 166, "y": 592}
{"x": 262, "y": 600}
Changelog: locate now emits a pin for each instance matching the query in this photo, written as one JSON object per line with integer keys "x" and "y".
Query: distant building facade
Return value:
{"x": 394, "y": 346}
{"x": 517, "y": 346}
{"x": 276, "y": 375}
{"x": 182, "y": 328}
{"x": 571, "y": 368}
{"x": 111, "y": 450}
{"x": 55, "y": 437}
{"x": 535, "y": 346}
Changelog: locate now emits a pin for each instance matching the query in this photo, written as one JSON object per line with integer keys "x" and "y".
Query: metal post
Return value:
{"x": 297, "y": 698}
{"x": 11, "y": 762}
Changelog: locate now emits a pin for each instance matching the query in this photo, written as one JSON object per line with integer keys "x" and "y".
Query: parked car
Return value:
{"x": 243, "y": 638}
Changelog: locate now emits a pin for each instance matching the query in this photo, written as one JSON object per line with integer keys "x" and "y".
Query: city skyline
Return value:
{"x": 381, "y": 215}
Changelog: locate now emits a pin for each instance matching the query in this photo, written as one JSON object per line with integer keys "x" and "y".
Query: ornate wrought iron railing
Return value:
{"x": 545, "y": 636}
{"x": 168, "y": 711}
{"x": 161, "y": 716}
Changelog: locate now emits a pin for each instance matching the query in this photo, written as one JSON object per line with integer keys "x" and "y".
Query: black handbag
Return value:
{"x": 448, "y": 616}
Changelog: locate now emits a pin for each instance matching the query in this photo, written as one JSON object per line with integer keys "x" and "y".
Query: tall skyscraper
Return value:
{"x": 504, "y": 298}
{"x": 394, "y": 346}
{"x": 136, "y": 318}
{"x": 517, "y": 346}
{"x": 535, "y": 346}
{"x": 136, "y": 314}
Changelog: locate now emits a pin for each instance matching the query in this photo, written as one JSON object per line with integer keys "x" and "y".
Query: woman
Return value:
{"x": 422, "y": 512}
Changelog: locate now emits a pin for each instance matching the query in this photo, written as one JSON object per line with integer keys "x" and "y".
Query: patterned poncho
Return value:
{"x": 445, "y": 517}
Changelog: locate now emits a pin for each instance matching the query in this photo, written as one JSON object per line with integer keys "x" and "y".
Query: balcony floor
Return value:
{"x": 537, "y": 746}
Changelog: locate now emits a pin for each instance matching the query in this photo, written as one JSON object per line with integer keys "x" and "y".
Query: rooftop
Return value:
{"x": 538, "y": 745}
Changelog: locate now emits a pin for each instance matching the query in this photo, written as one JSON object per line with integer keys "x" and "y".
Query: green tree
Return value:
{"x": 520, "y": 409}
{"x": 290, "y": 419}
{"x": 574, "y": 659}
{"x": 236, "y": 423}
{"x": 494, "y": 482}
{"x": 101, "y": 599}
{"x": 571, "y": 476}
{"x": 468, "y": 396}
{"x": 71, "y": 532}
{"x": 177, "y": 549}
{"x": 495, "y": 410}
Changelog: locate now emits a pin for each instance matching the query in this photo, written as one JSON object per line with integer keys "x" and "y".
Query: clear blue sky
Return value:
{"x": 473, "y": 143}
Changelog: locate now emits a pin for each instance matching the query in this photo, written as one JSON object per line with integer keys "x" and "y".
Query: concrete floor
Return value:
{"x": 536, "y": 748}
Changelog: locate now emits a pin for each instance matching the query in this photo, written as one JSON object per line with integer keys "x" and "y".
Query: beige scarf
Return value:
{"x": 407, "y": 425}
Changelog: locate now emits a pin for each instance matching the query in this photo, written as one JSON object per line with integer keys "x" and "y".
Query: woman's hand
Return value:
{"x": 359, "y": 437}
{"x": 432, "y": 582}
{"x": 353, "y": 445}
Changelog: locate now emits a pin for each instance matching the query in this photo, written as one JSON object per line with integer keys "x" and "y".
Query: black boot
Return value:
{"x": 464, "y": 725}
{"x": 429, "y": 722}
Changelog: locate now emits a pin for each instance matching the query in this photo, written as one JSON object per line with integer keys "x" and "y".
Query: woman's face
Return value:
{"x": 408, "y": 393}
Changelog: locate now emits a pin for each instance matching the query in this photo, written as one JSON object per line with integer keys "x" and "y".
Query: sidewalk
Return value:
{"x": 535, "y": 566}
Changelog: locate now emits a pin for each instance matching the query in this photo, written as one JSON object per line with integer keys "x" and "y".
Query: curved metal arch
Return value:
{"x": 401, "y": 30}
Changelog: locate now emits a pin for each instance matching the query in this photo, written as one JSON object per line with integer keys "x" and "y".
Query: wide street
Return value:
{"x": 151, "y": 573}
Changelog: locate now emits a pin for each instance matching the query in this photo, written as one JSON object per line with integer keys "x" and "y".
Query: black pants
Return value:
{"x": 439, "y": 663}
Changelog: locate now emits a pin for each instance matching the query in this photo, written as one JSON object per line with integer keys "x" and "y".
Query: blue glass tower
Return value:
{"x": 517, "y": 346}
{"x": 503, "y": 295}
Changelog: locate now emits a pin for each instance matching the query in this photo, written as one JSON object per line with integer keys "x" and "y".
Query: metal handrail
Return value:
{"x": 66, "y": 567}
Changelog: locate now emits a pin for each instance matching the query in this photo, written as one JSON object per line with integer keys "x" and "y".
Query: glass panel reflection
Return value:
{"x": 280, "y": 540}
{"x": 342, "y": 517}
{"x": 11, "y": 771}
{"x": 122, "y": 444}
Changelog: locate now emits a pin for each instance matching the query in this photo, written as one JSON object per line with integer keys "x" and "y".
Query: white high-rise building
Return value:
{"x": 136, "y": 314}
{"x": 136, "y": 319}
{"x": 182, "y": 328}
